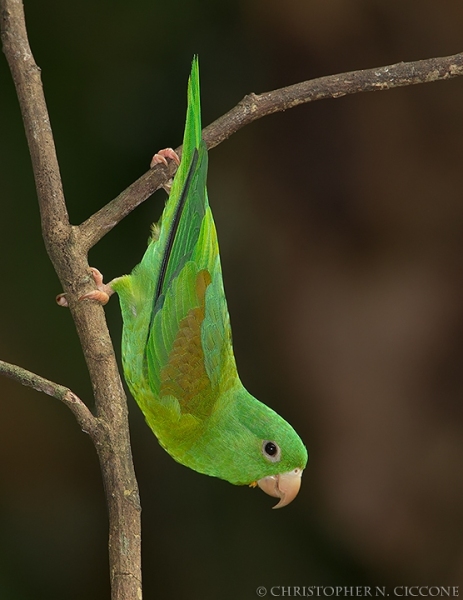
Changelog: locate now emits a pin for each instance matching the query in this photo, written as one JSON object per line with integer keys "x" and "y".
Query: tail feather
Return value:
{"x": 142, "y": 293}
{"x": 192, "y": 134}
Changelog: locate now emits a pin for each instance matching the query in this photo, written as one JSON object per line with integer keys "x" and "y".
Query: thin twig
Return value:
{"x": 254, "y": 107}
{"x": 83, "y": 415}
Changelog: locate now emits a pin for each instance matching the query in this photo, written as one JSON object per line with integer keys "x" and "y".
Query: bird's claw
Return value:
{"x": 100, "y": 295}
{"x": 103, "y": 291}
{"x": 162, "y": 156}
{"x": 61, "y": 300}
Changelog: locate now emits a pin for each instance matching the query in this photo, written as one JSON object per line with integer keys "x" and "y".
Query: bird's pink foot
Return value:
{"x": 162, "y": 156}
{"x": 62, "y": 300}
{"x": 101, "y": 294}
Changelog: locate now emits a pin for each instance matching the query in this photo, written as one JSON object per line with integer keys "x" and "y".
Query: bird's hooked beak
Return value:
{"x": 284, "y": 486}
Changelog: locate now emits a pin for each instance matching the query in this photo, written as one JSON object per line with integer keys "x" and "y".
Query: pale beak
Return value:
{"x": 284, "y": 486}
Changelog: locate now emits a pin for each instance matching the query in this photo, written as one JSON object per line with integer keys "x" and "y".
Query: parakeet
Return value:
{"x": 177, "y": 344}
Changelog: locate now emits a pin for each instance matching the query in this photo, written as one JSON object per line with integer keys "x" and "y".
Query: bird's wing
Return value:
{"x": 188, "y": 352}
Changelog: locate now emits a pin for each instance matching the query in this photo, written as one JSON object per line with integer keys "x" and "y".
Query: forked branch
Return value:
{"x": 109, "y": 428}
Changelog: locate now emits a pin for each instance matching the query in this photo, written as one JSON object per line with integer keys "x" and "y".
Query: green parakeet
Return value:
{"x": 177, "y": 344}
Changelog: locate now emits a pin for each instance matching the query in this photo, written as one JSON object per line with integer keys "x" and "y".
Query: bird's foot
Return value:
{"x": 101, "y": 294}
{"x": 61, "y": 300}
{"x": 161, "y": 158}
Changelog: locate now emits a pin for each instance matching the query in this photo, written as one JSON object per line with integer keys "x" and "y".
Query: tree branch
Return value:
{"x": 69, "y": 257}
{"x": 84, "y": 417}
{"x": 254, "y": 107}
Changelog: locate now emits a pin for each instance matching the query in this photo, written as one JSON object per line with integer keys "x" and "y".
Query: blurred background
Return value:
{"x": 341, "y": 231}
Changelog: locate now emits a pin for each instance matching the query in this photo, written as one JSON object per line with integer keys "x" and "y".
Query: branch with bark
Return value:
{"x": 68, "y": 245}
{"x": 69, "y": 257}
{"x": 84, "y": 417}
{"x": 255, "y": 106}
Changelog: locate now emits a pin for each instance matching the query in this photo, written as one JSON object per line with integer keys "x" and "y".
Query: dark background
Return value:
{"x": 341, "y": 231}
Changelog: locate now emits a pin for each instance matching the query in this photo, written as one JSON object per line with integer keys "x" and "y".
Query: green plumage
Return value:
{"x": 176, "y": 345}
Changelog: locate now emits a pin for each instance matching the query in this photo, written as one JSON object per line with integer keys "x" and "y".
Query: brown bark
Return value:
{"x": 109, "y": 431}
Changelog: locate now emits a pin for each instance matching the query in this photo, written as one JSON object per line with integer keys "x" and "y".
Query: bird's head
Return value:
{"x": 250, "y": 444}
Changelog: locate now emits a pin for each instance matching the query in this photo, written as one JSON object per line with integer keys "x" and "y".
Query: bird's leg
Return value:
{"x": 161, "y": 158}
{"x": 104, "y": 291}
{"x": 101, "y": 294}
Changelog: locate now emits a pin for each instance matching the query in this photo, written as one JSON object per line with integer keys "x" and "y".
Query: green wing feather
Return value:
{"x": 173, "y": 303}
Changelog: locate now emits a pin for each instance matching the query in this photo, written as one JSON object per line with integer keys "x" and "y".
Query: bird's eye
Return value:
{"x": 271, "y": 451}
